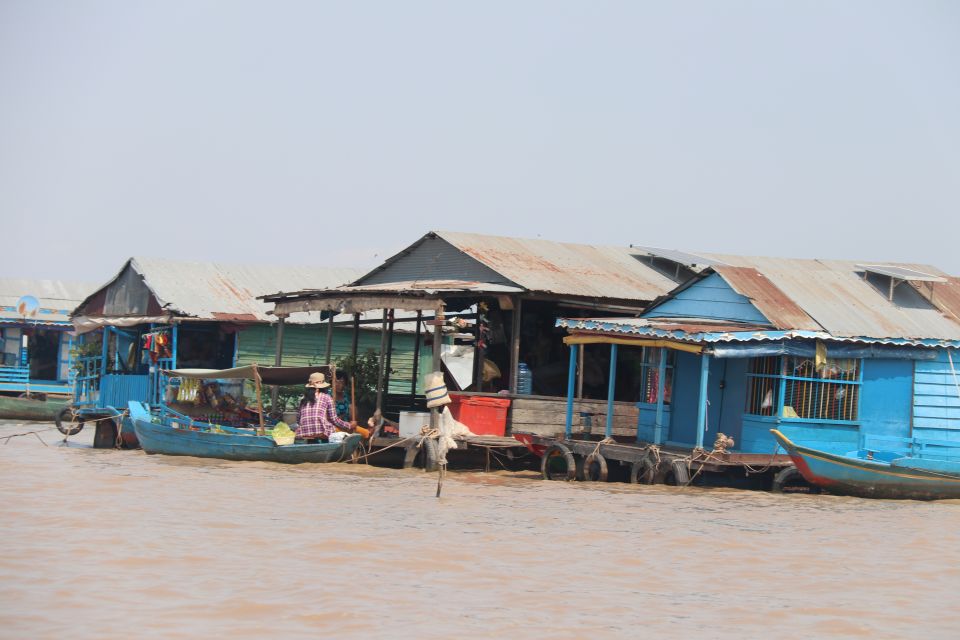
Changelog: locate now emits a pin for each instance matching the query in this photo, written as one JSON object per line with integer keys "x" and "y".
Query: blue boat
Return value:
{"x": 181, "y": 438}
{"x": 869, "y": 473}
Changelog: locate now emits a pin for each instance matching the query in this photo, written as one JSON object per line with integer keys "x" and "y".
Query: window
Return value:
{"x": 763, "y": 385}
{"x": 650, "y": 375}
{"x": 828, "y": 392}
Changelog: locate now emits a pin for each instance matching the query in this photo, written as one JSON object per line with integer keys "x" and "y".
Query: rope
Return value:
{"x": 596, "y": 449}
{"x": 6, "y": 439}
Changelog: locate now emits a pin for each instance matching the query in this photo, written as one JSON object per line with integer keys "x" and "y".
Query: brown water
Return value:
{"x": 109, "y": 544}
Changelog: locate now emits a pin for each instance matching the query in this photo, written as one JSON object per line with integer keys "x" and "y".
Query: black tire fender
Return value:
{"x": 65, "y": 424}
{"x": 430, "y": 454}
{"x": 595, "y": 468}
{"x": 554, "y": 452}
{"x": 676, "y": 473}
{"x": 643, "y": 471}
{"x": 790, "y": 480}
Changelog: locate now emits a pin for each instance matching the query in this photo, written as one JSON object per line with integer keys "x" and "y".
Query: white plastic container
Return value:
{"x": 412, "y": 421}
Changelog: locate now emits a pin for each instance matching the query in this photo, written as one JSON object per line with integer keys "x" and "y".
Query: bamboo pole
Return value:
{"x": 256, "y": 378}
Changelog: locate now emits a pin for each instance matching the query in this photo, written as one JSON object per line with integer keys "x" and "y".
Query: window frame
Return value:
{"x": 651, "y": 367}
{"x": 783, "y": 383}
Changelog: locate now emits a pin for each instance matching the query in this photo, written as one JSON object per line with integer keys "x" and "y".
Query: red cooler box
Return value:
{"x": 485, "y": 415}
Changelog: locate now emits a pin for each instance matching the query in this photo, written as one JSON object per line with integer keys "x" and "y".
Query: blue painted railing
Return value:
{"x": 913, "y": 447}
{"x": 17, "y": 379}
{"x": 117, "y": 389}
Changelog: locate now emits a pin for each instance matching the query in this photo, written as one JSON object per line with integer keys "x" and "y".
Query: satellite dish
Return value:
{"x": 27, "y": 306}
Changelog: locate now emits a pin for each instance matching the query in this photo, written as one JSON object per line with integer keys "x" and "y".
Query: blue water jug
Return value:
{"x": 524, "y": 379}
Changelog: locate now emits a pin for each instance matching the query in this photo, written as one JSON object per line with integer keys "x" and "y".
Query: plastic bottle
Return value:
{"x": 524, "y": 379}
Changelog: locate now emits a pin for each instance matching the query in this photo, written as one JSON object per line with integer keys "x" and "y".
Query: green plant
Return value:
{"x": 85, "y": 349}
{"x": 364, "y": 369}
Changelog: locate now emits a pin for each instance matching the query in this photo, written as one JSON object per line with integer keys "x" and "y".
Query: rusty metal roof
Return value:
{"x": 228, "y": 292}
{"x": 562, "y": 268}
{"x": 57, "y": 298}
{"x": 835, "y": 295}
{"x": 774, "y": 304}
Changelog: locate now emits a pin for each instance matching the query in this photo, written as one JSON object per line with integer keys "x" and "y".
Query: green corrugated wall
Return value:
{"x": 304, "y": 345}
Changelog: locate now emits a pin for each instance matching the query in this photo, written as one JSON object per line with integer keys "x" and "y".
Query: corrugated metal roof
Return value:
{"x": 692, "y": 332}
{"x": 213, "y": 291}
{"x": 564, "y": 268}
{"x": 835, "y": 295}
{"x": 57, "y": 297}
{"x": 780, "y": 310}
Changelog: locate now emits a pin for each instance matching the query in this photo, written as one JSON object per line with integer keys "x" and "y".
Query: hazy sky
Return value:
{"x": 340, "y": 132}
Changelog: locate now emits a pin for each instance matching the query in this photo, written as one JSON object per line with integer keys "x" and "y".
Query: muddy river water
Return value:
{"x": 111, "y": 544}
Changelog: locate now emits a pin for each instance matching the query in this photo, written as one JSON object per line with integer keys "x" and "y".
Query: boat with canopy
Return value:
{"x": 240, "y": 432}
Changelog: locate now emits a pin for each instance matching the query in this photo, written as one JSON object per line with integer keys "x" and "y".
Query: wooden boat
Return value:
{"x": 30, "y": 409}
{"x": 875, "y": 474}
{"x": 227, "y": 443}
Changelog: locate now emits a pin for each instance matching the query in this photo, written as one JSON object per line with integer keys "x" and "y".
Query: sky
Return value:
{"x": 338, "y": 133}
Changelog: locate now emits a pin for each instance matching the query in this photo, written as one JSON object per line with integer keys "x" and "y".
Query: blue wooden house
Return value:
{"x": 35, "y": 350}
{"x": 831, "y": 353}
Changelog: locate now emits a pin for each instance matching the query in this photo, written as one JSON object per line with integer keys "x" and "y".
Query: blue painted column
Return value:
{"x": 661, "y": 385}
{"x": 175, "y": 332}
{"x": 571, "y": 377}
{"x": 702, "y": 403}
{"x": 610, "y": 387}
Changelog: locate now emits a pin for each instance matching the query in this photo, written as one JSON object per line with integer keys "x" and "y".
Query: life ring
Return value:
{"x": 594, "y": 468}
{"x": 643, "y": 471}
{"x": 554, "y": 454}
{"x": 64, "y": 421}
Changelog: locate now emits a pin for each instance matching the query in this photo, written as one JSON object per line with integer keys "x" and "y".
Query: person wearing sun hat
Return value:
{"x": 316, "y": 416}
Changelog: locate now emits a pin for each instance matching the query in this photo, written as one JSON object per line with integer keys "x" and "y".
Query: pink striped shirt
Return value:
{"x": 319, "y": 418}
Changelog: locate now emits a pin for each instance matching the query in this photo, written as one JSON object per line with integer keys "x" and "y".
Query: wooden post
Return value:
{"x": 571, "y": 374}
{"x": 256, "y": 379}
{"x": 661, "y": 385}
{"x": 515, "y": 345}
{"x": 277, "y": 361}
{"x": 437, "y": 342}
{"x": 416, "y": 359}
{"x": 356, "y": 336}
{"x": 330, "y": 337}
{"x": 610, "y": 387}
{"x": 702, "y": 403}
{"x": 477, "y": 355}
{"x": 580, "y": 371}
{"x": 383, "y": 348}
{"x": 389, "y": 357}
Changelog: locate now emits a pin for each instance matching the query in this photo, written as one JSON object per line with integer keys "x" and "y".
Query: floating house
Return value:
{"x": 504, "y": 295}
{"x": 36, "y": 343}
{"x": 161, "y": 314}
{"x": 831, "y": 353}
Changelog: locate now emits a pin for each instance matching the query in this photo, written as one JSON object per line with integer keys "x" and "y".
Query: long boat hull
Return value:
{"x": 167, "y": 440}
{"x": 29, "y": 409}
{"x": 847, "y": 475}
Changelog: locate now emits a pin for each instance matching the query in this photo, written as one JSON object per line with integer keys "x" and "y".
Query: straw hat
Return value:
{"x": 317, "y": 381}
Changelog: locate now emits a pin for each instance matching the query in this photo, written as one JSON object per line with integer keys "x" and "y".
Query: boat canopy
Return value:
{"x": 267, "y": 375}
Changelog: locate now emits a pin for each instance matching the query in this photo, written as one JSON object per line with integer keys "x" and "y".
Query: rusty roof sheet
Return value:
{"x": 774, "y": 304}
{"x": 57, "y": 298}
{"x": 228, "y": 292}
{"x": 834, "y": 294}
{"x": 565, "y": 268}
{"x": 946, "y": 297}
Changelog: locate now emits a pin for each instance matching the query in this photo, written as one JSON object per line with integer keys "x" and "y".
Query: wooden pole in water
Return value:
{"x": 434, "y": 411}
{"x": 256, "y": 378}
